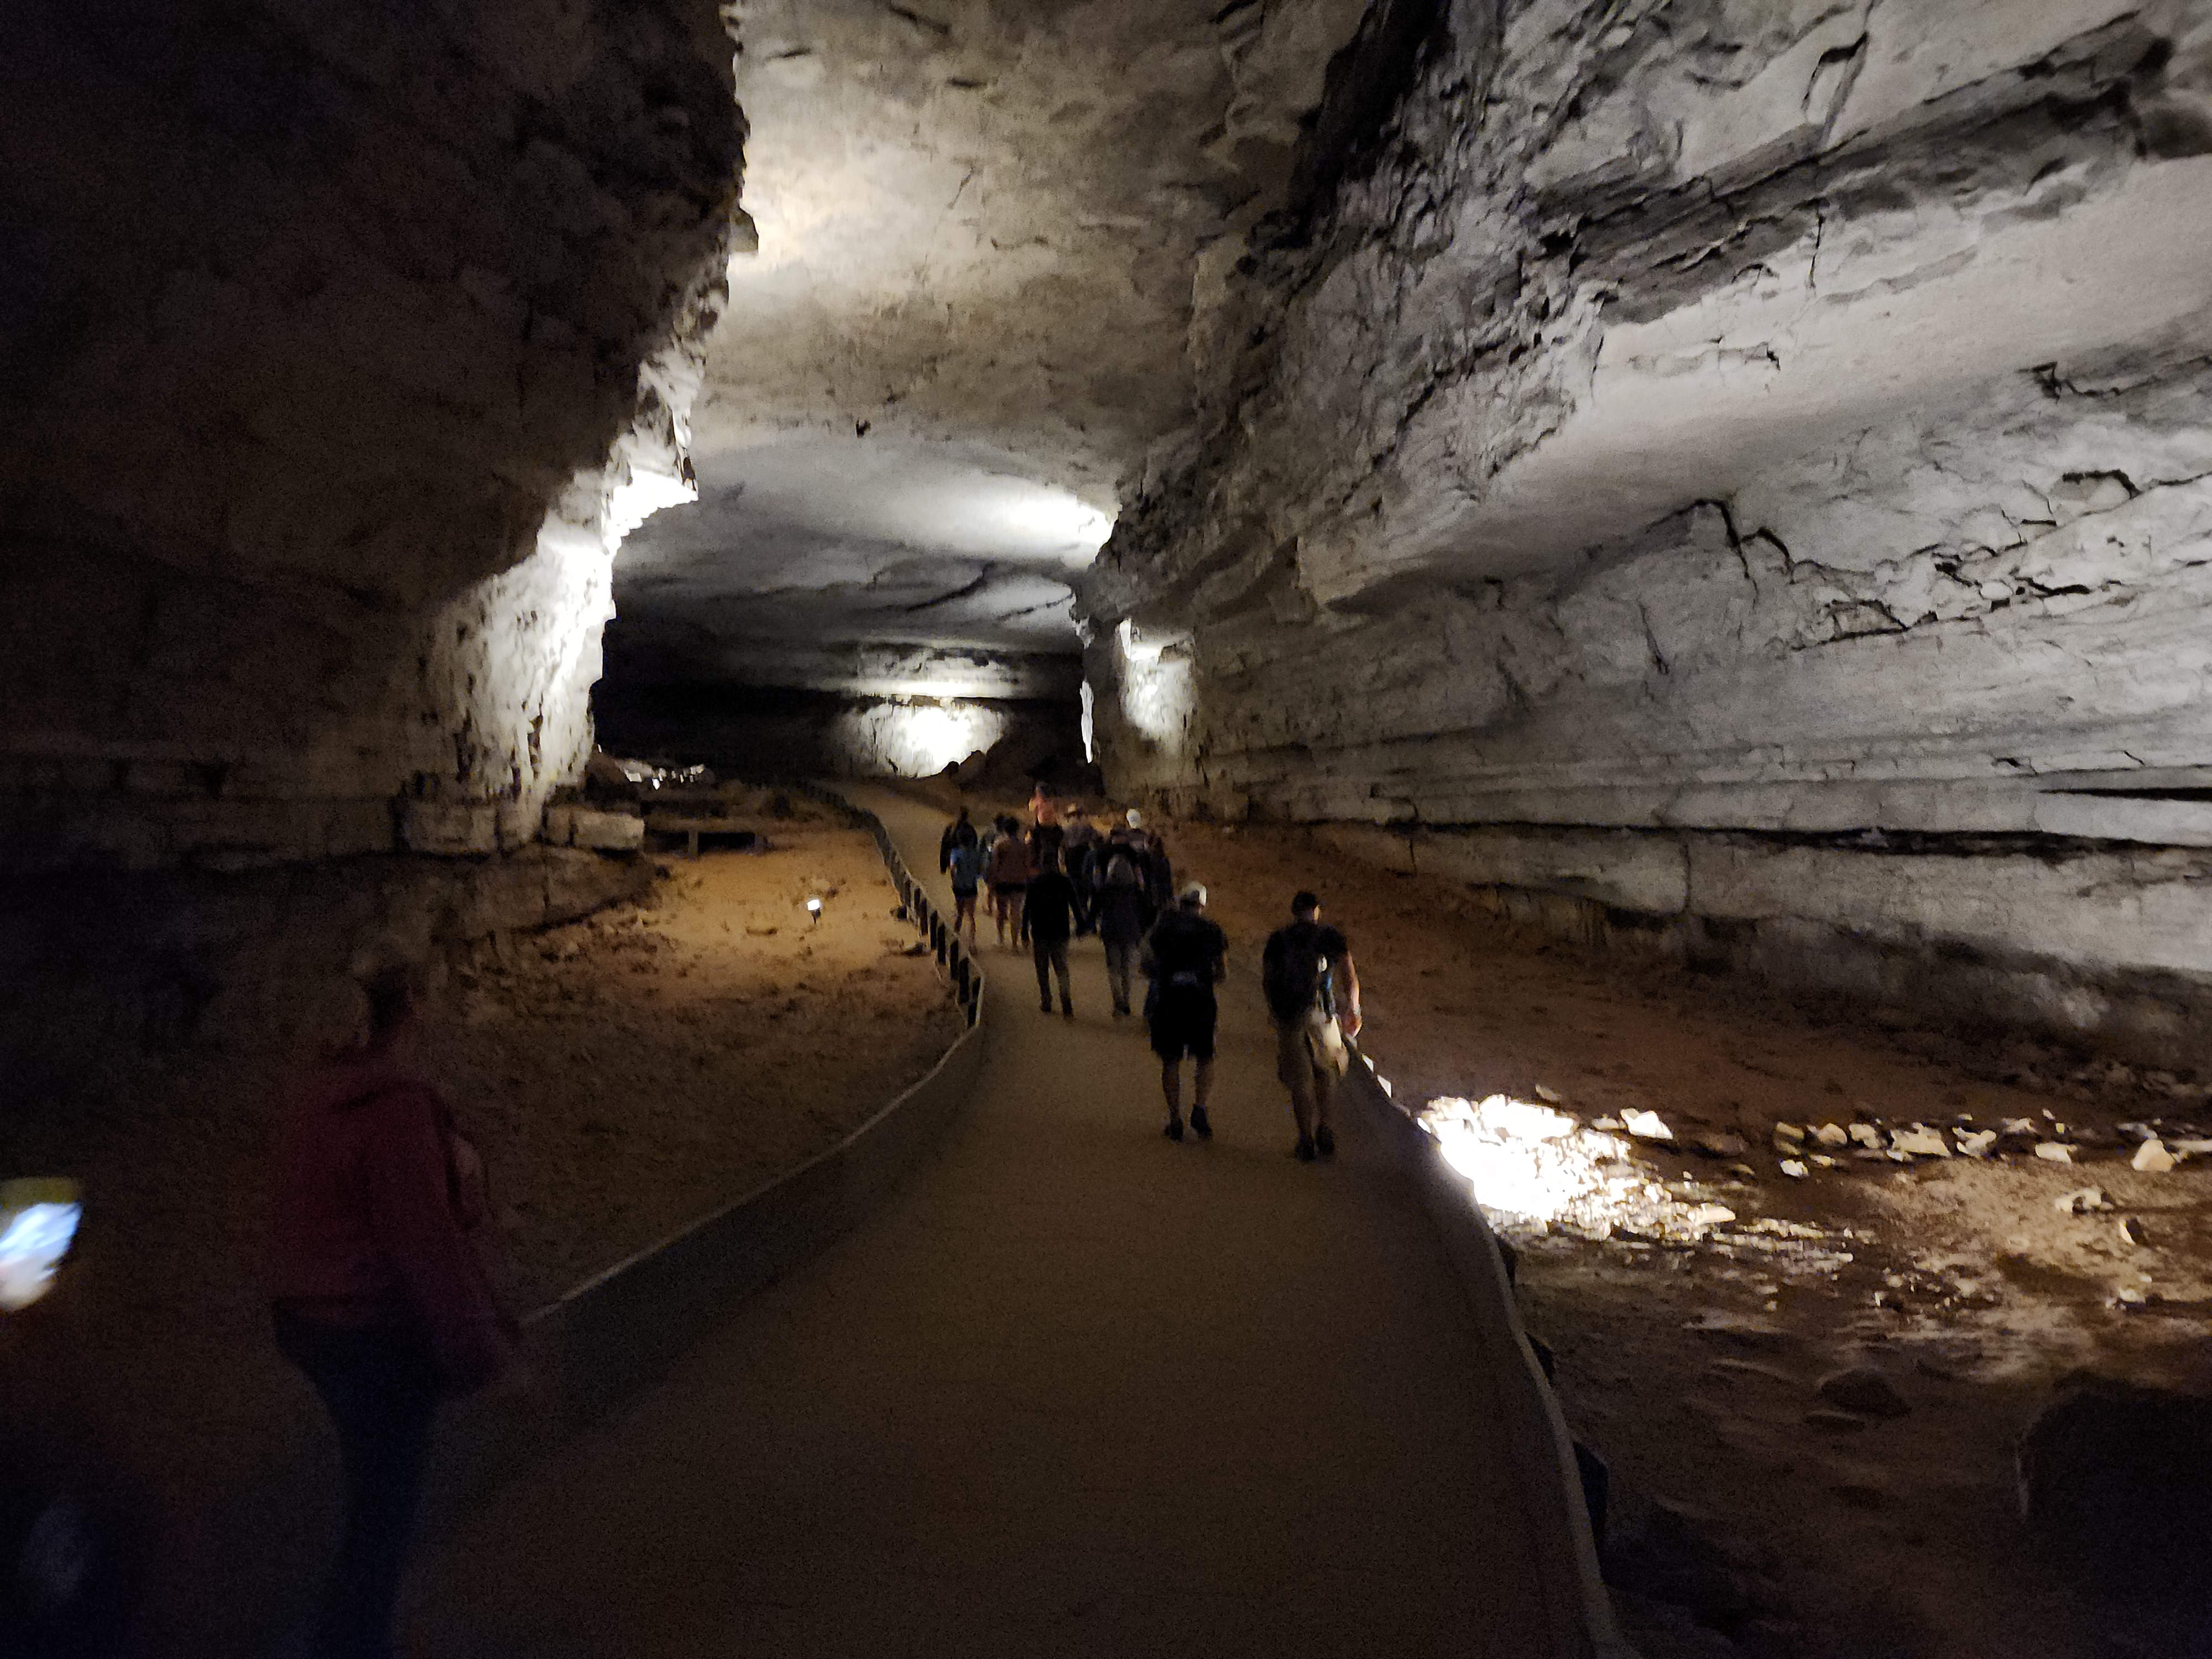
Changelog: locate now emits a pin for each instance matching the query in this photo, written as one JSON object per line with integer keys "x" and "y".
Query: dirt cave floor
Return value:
{"x": 624, "y": 1074}
{"x": 629, "y": 1071}
{"x": 1688, "y": 1356}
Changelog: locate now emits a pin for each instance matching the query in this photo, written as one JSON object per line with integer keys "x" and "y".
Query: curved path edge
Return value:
{"x": 1566, "y": 1545}
{"x": 621, "y": 1331}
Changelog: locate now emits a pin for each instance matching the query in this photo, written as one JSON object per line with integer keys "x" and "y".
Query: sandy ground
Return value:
{"x": 623, "y": 1075}
{"x": 630, "y": 1071}
{"x": 1960, "y": 1280}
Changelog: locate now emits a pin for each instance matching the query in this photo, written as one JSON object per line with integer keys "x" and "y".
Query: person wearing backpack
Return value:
{"x": 1186, "y": 956}
{"x": 1008, "y": 867}
{"x": 1120, "y": 911}
{"x": 1301, "y": 971}
{"x": 958, "y": 833}
{"x": 965, "y": 866}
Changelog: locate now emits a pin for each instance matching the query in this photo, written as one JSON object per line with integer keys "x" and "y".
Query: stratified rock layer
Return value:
{"x": 1738, "y": 417}
{"x": 323, "y": 341}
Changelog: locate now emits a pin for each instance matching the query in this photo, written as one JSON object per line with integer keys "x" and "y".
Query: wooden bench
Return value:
{"x": 692, "y": 828}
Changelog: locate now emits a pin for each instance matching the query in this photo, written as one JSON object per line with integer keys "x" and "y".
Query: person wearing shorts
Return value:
{"x": 966, "y": 869}
{"x": 1185, "y": 958}
{"x": 1307, "y": 975}
{"x": 1007, "y": 868}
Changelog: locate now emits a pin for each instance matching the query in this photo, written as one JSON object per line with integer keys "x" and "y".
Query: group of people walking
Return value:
{"x": 378, "y": 1296}
{"x": 1058, "y": 877}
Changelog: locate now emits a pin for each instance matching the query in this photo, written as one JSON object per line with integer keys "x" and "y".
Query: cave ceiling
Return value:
{"x": 964, "y": 327}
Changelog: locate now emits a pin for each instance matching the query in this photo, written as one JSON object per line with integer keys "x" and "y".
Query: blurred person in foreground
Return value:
{"x": 377, "y": 1292}
{"x": 1186, "y": 956}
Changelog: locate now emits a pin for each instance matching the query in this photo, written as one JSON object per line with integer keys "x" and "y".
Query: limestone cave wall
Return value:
{"x": 1726, "y": 426}
{"x": 339, "y": 351}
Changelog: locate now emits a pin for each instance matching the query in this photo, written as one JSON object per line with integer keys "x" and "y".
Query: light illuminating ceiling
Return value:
{"x": 966, "y": 322}
{"x": 814, "y": 538}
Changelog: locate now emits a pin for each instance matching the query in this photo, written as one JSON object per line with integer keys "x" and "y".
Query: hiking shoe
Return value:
{"x": 1199, "y": 1126}
{"x": 1045, "y": 1007}
{"x": 1325, "y": 1141}
{"x": 1173, "y": 1131}
{"x": 1304, "y": 1152}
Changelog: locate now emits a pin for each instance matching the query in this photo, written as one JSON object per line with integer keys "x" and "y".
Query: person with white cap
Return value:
{"x": 1185, "y": 958}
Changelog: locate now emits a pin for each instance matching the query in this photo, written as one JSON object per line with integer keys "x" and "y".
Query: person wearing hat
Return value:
{"x": 1185, "y": 958}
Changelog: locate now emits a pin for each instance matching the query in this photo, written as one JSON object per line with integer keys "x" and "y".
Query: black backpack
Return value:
{"x": 1293, "y": 973}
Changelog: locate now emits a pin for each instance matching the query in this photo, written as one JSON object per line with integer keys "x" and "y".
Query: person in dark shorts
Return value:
{"x": 1051, "y": 911}
{"x": 965, "y": 867}
{"x": 1303, "y": 971}
{"x": 1186, "y": 958}
{"x": 1007, "y": 868}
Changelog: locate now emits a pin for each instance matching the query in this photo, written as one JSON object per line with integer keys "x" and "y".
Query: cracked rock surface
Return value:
{"x": 1705, "y": 400}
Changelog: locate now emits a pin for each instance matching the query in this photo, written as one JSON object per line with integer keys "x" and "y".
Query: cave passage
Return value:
{"x": 1059, "y": 1395}
{"x": 1691, "y": 520}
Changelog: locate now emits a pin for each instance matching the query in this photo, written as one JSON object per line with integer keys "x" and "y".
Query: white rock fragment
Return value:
{"x": 1794, "y": 1170}
{"x": 2131, "y": 1230}
{"x": 1789, "y": 1132}
{"x": 1822, "y": 1161}
{"x": 2022, "y": 1126}
{"x": 2056, "y": 1152}
{"x": 2190, "y": 1148}
{"x": 1867, "y": 1136}
{"x": 1606, "y": 1125}
{"x": 1549, "y": 1097}
{"x": 1919, "y": 1142}
{"x": 2152, "y": 1158}
{"x": 1645, "y": 1126}
{"x": 1976, "y": 1143}
{"x": 2081, "y": 1201}
{"x": 1709, "y": 1215}
{"x": 1831, "y": 1134}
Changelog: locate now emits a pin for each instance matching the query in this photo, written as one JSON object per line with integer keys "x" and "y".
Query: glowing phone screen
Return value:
{"x": 37, "y": 1223}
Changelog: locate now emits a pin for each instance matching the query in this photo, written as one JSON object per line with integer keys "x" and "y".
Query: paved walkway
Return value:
{"x": 1076, "y": 1391}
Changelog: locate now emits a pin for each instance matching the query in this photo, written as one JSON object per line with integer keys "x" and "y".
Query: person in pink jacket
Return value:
{"x": 376, "y": 1291}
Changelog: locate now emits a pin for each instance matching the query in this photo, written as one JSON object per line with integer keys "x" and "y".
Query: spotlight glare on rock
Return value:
{"x": 1534, "y": 1168}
